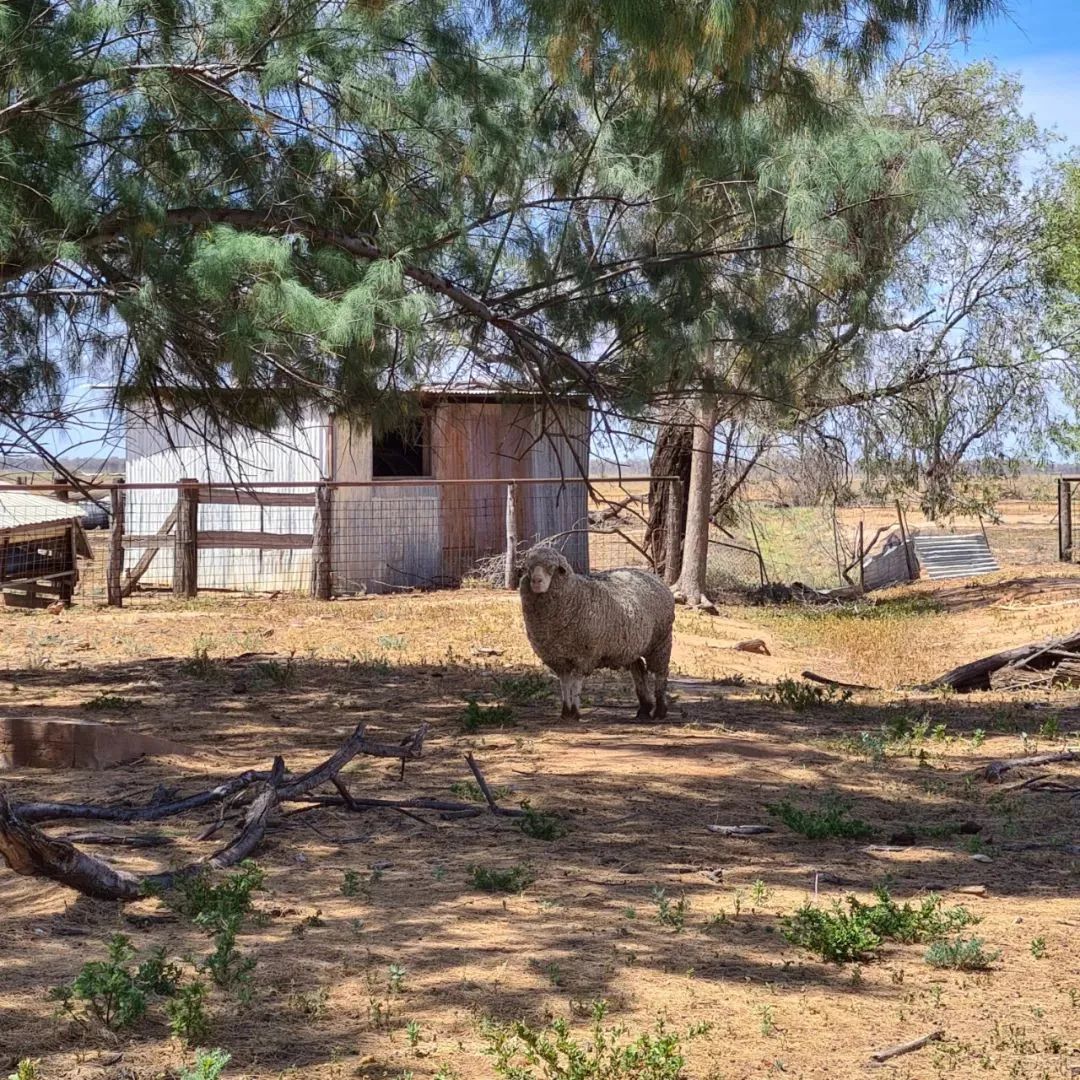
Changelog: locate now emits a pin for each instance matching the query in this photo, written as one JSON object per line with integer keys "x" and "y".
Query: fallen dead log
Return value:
{"x": 976, "y": 675}
{"x": 30, "y": 852}
{"x": 997, "y": 769}
{"x": 835, "y": 682}
{"x": 443, "y": 806}
{"x": 908, "y": 1047}
{"x": 358, "y": 743}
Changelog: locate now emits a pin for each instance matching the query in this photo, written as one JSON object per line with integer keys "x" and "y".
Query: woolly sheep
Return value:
{"x": 616, "y": 619}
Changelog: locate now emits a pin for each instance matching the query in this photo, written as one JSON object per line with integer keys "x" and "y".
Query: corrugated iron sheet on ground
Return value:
{"x": 944, "y": 555}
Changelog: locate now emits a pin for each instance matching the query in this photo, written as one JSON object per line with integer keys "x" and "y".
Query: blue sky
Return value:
{"x": 1039, "y": 40}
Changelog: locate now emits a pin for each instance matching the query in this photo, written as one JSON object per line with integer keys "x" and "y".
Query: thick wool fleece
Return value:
{"x": 614, "y": 619}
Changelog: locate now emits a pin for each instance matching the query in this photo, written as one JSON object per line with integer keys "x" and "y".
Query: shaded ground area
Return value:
{"x": 637, "y": 798}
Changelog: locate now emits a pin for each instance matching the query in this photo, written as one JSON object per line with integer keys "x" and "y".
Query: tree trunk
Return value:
{"x": 690, "y": 588}
{"x": 672, "y": 456}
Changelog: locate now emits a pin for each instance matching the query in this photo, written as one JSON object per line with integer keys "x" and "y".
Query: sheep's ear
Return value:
{"x": 561, "y": 569}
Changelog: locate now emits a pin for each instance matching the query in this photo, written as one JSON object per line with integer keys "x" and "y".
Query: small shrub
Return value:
{"x": 350, "y": 883}
{"x": 513, "y": 880}
{"x": 212, "y": 906}
{"x": 396, "y": 982}
{"x": 276, "y": 673}
{"x": 768, "y": 1020}
{"x": 220, "y": 910}
{"x": 26, "y": 1069}
{"x": 208, "y": 1066}
{"x": 113, "y": 991}
{"x": 521, "y": 689}
{"x": 837, "y": 935}
{"x": 522, "y": 1052}
{"x": 366, "y": 664}
{"x": 1038, "y": 947}
{"x": 670, "y": 913}
{"x": 1050, "y": 729}
{"x": 800, "y": 696}
{"x": 187, "y": 1014}
{"x": 963, "y": 954}
{"x": 200, "y": 665}
{"x": 470, "y": 791}
{"x": 540, "y": 826}
{"x": 831, "y": 820}
{"x": 110, "y": 703}
{"x": 412, "y": 1033}
{"x": 477, "y": 716}
{"x": 392, "y": 642}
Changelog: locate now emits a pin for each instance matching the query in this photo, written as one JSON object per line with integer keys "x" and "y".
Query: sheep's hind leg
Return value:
{"x": 571, "y": 690}
{"x": 658, "y": 662}
{"x": 646, "y": 704}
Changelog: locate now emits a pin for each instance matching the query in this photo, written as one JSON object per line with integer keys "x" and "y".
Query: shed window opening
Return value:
{"x": 403, "y": 452}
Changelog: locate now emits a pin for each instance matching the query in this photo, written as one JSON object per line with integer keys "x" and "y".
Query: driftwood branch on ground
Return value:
{"x": 835, "y": 682}
{"x": 29, "y": 851}
{"x": 997, "y": 769}
{"x": 908, "y": 1047}
{"x": 493, "y": 806}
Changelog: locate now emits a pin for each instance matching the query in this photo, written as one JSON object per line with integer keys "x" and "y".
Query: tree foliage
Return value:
{"x": 323, "y": 201}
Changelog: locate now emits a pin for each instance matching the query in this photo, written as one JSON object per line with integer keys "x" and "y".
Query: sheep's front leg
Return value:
{"x": 576, "y": 683}
{"x": 646, "y": 704}
{"x": 571, "y": 694}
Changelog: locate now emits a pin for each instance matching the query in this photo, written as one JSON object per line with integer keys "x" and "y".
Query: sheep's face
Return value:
{"x": 543, "y": 569}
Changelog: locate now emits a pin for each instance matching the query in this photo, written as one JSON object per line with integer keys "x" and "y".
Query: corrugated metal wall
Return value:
{"x": 289, "y": 454}
{"x": 383, "y": 536}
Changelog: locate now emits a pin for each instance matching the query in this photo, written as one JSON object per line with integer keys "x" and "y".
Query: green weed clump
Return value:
{"x": 522, "y": 1052}
{"x": 477, "y": 717}
{"x": 830, "y": 820}
{"x": 799, "y": 696}
{"x": 963, "y": 954}
{"x": 539, "y": 825}
{"x": 860, "y": 930}
{"x": 513, "y": 880}
{"x": 114, "y": 990}
{"x": 220, "y": 910}
{"x": 208, "y": 1066}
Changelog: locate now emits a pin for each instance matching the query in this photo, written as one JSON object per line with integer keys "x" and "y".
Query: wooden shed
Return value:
{"x": 41, "y": 542}
{"x": 417, "y": 506}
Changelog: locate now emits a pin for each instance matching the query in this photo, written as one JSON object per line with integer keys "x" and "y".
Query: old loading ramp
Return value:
{"x": 944, "y": 555}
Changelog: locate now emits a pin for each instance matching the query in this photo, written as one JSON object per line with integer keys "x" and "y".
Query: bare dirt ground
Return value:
{"x": 637, "y": 797}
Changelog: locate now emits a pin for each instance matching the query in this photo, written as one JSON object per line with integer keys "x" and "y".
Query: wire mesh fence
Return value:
{"x": 342, "y": 539}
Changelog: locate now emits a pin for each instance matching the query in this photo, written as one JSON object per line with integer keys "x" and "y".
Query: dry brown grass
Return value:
{"x": 637, "y": 797}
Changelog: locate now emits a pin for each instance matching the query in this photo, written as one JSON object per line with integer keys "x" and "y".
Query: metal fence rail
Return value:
{"x": 334, "y": 539}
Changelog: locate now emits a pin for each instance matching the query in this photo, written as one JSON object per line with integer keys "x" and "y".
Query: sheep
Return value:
{"x": 616, "y": 619}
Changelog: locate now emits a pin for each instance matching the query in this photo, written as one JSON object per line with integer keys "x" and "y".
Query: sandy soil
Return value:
{"x": 637, "y": 798}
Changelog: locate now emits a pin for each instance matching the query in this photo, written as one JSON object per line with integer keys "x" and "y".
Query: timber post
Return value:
{"x": 113, "y": 584}
{"x": 321, "y": 586}
{"x": 510, "y": 570}
{"x": 1065, "y": 538}
{"x": 186, "y": 542}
